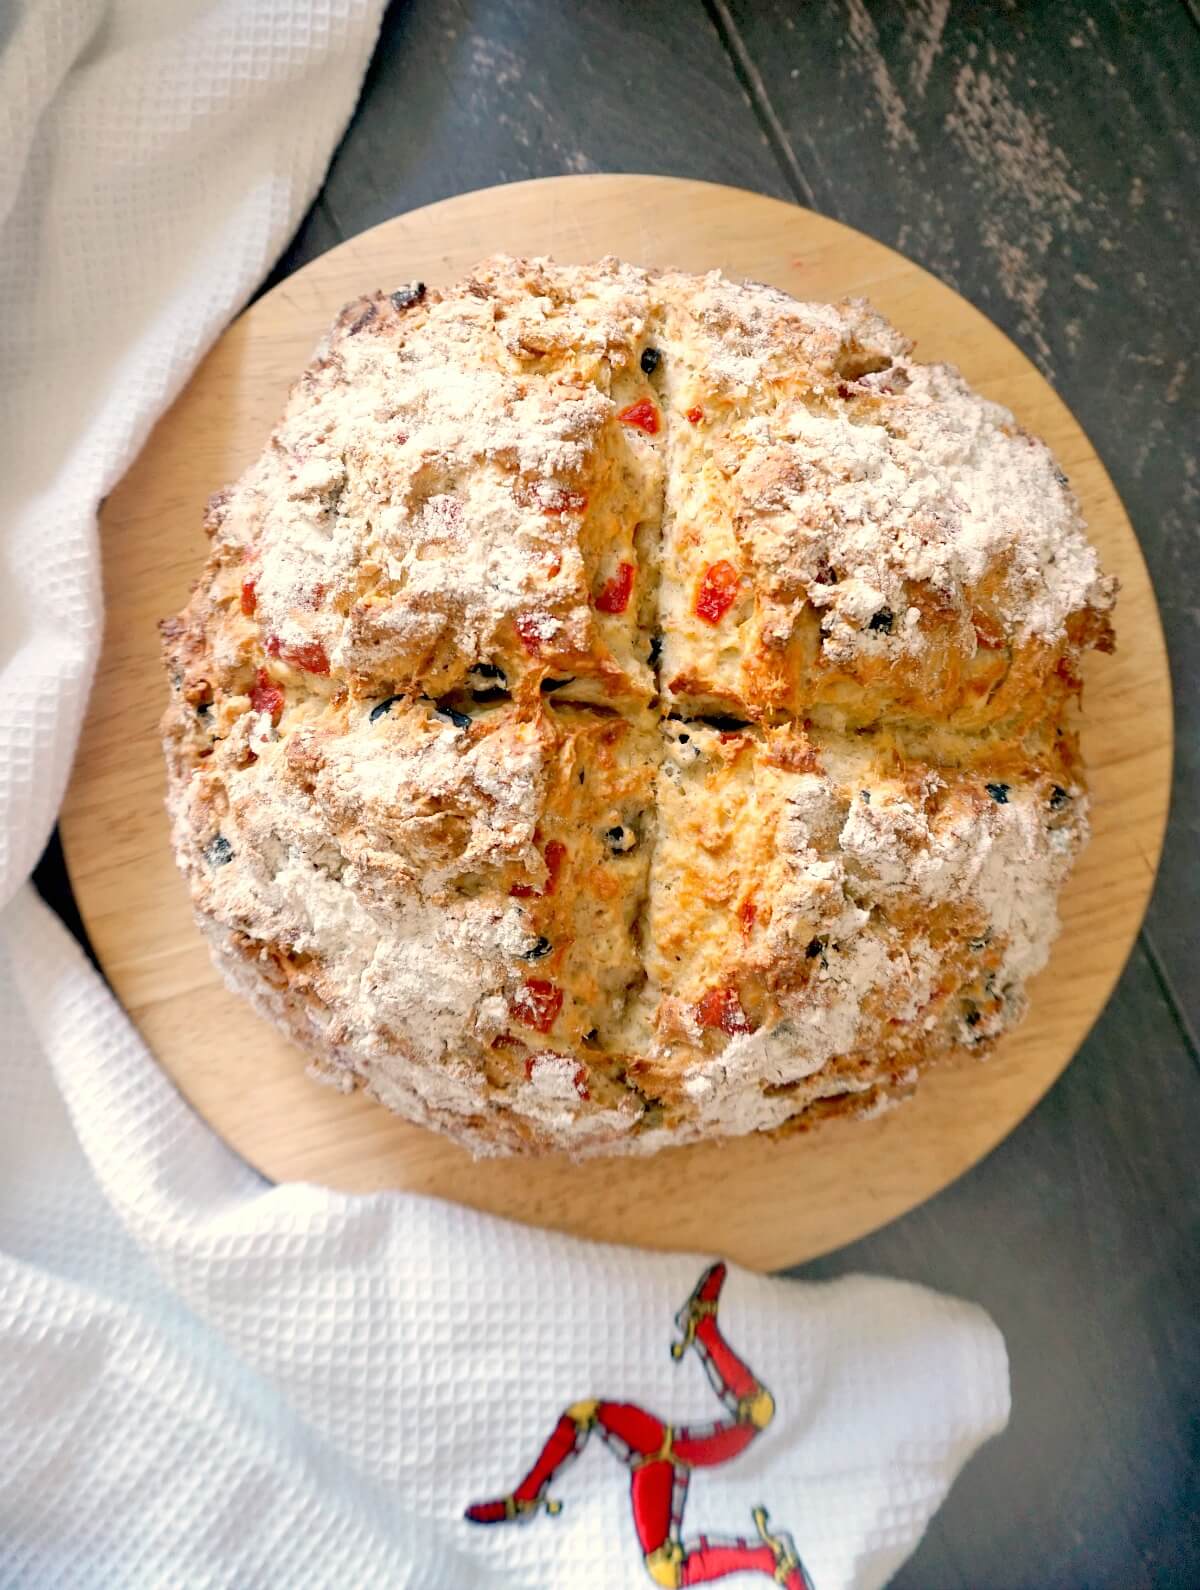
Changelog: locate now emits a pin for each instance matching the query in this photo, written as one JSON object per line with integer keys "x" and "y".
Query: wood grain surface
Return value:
{"x": 766, "y": 1204}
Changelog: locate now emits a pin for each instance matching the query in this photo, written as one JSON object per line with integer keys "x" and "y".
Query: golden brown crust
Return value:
{"x": 444, "y": 774}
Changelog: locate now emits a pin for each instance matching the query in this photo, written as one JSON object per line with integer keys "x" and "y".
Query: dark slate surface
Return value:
{"x": 1041, "y": 157}
{"x": 462, "y": 96}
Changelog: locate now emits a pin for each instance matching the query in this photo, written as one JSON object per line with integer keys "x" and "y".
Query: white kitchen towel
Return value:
{"x": 205, "y": 1380}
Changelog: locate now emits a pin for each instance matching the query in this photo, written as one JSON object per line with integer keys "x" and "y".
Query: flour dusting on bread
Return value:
{"x": 622, "y": 707}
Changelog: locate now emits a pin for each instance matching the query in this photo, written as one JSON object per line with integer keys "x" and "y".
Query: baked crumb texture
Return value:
{"x": 621, "y": 708}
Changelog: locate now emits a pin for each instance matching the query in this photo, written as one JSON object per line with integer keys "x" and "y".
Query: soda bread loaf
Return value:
{"x": 623, "y": 707}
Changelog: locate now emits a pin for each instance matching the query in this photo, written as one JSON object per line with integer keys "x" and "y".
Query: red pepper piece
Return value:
{"x": 554, "y": 855}
{"x": 537, "y": 1003}
{"x": 267, "y": 696}
{"x": 717, "y": 592}
{"x": 747, "y": 911}
{"x": 722, "y": 1008}
{"x": 249, "y": 598}
{"x": 694, "y": 416}
{"x": 615, "y": 593}
{"x": 529, "y": 628}
{"x": 310, "y": 655}
{"x": 643, "y": 414}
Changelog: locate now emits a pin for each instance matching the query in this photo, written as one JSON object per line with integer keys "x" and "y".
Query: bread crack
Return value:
{"x": 649, "y": 547}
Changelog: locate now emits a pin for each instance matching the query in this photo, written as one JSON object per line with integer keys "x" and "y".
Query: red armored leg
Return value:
{"x": 652, "y": 1493}
{"x": 739, "y": 1388}
{"x": 774, "y": 1555}
{"x": 629, "y": 1432}
{"x": 566, "y": 1441}
{"x": 706, "y": 1560}
{"x": 705, "y": 1446}
{"x": 658, "y": 1493}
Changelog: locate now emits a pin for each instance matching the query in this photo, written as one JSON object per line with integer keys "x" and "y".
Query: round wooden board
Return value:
{"x": 762, "y": 1203}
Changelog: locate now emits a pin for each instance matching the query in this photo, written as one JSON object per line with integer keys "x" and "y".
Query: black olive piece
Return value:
{"x": 497, "y": 691}
{"x": 726, "y": 725}
{"x": 882, "y": 620}
{"x": 582, "y": 775}
{"x": 864, "y": 795}
{"x": 1058, "y": 798}
{"x": 815, "y": 948}
{"x": 998, "y": 792}
{"x": 549, "y": 686}
{"x": 651, "y": 359}
{"x": 460, "y": 720}
{"x": 620, "y": 839}
{"x": 218, "y": 852}
{"x": 540, "y": 946}
{"x": 405, "y": 297}
{"x": 684, "y": 739}
{"x": 203, "y": 709}
{"x": 980, "y": 943}
{"x": 384, "y": 706}
{"x": 973, "y": 1017}
{"x": 655, "y": 650}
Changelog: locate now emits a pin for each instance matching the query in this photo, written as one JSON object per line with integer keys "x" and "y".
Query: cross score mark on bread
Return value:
{"x": 623, "y": 707}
